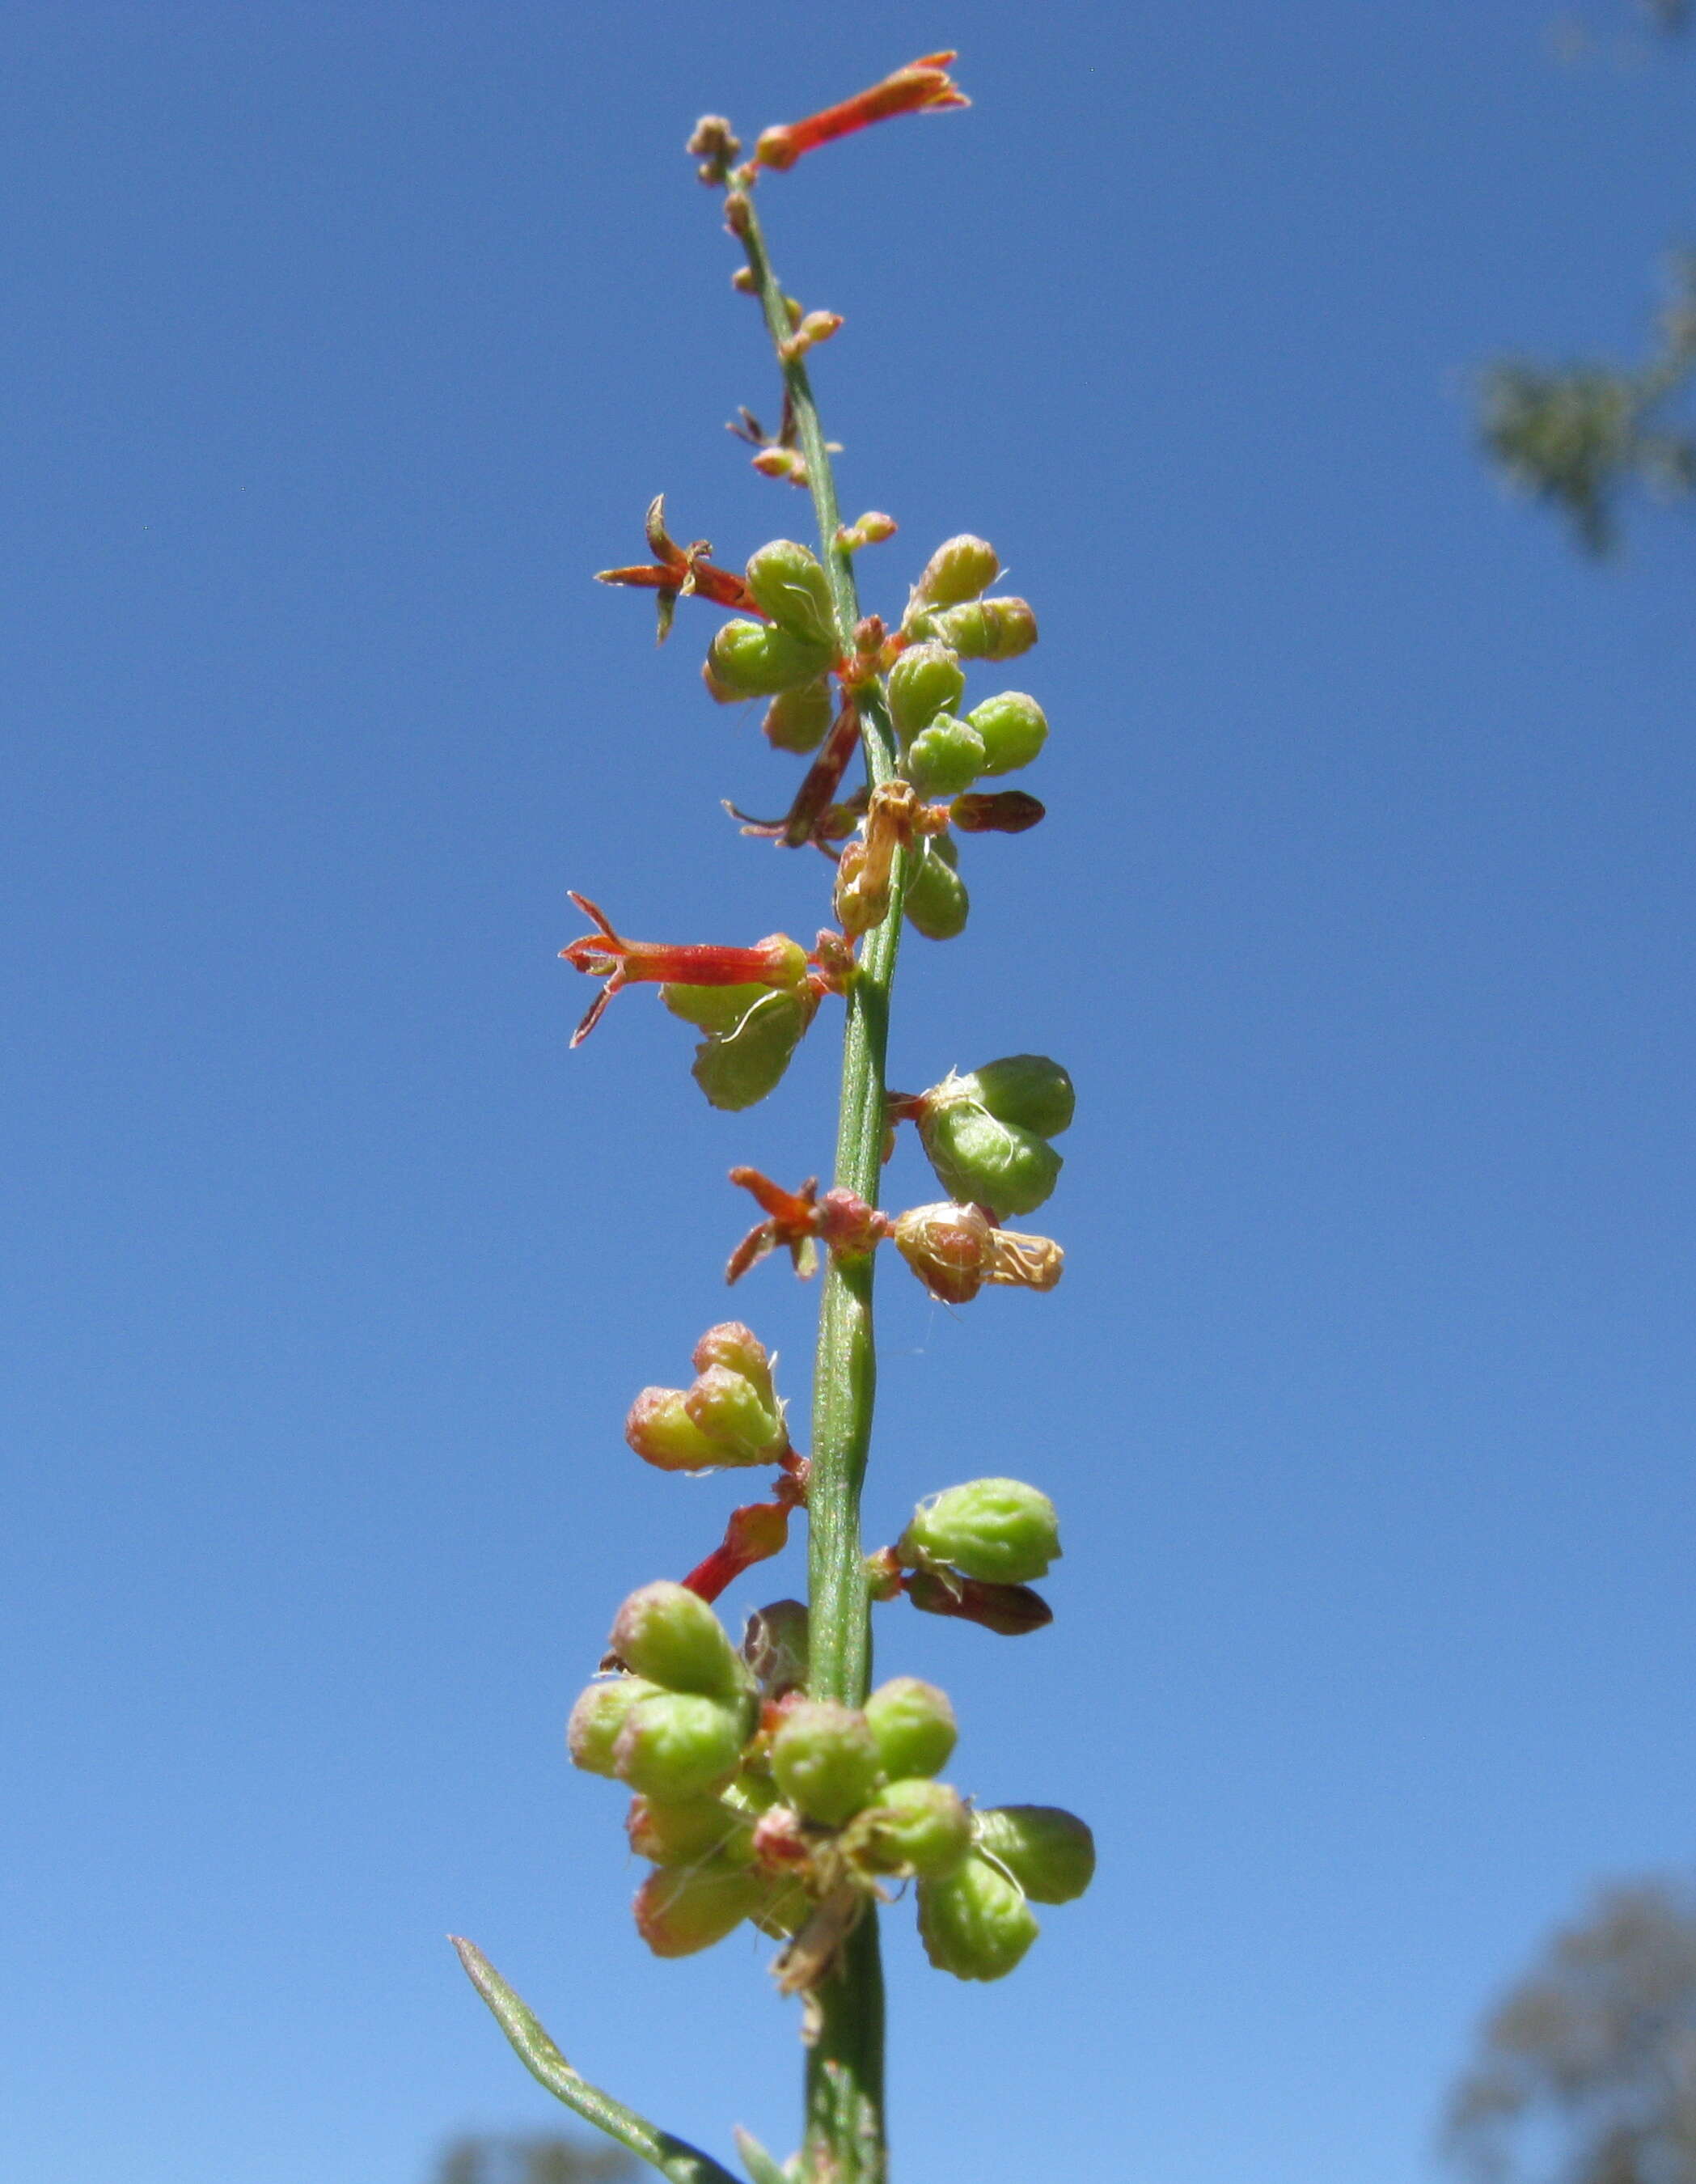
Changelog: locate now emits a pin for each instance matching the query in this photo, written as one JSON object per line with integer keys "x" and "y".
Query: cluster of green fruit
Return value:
{"x": 987, "y": 1133}
{"x": 755, "y": 1802}
{"x": 728, "y": 1417}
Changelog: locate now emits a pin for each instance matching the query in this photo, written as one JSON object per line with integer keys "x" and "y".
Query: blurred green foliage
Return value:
{"x": 533, "y": 2160}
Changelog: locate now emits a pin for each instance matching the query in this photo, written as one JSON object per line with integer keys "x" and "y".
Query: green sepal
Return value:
{"x": 597, "y": 1719}
{"x": 998, "y": 1530}
{"x": 913, "y": 1725}
{"x": 935, "y": 901}
{"x": 982, "y": 1160}
{"x": 738, "y": 1068}
{"x": 927, "y": 680}
{"x": 788, "y": 583}
{"x": 975, "y": 1922}
{"x": 1050, "y": 1852}
{"x": 824, "y": 1758}
{"x": 755, "y": 659}
{"x": 1029, "y": 1090}
{"x": 799, "y": 719}
{"x": 944, "y": 758}
{"x": 676, "y": 1745}
{"x": 1013, "y": 728}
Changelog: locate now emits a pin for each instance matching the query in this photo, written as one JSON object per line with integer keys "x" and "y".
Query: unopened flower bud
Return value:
{"x": 681, "y": 1909}
{"x": 597, "y": 1718}
{"x": 984, "y": 629}
{"x": 944, "y": 758}
{"x": 1014, "y": 728}
{"x": 975, "y": 1922}
{"x": 961, "y": 568}
{"x": 996, "y": 811}
{"x": 1048, "y": 1852}
{"x": 871, "y": 529}
{"x": 982, "y": 1161}
{"x": 661, "y": 1431}
{"x": 670, "y": 1635}
{"x": 729, "y": 1342}
{"x": 775, "y": 1646}
{"x": 927, "y": 680}
{"x": 786, "y": 463}
{"x": 915, "y": 1826}
{"x": 789, "y": 583}
{"x": 736, "y": 1068}
{"x": 678, "y": 1745}
{"x": 912, "y": 1726}
{"x": 734, "y": 1415}
{"x": 935, "y": 901}
{"x": 688, "y": 1833}
{"x": 755, "y": 659}
{"x": 814, "y": 327}
{"x": 824, "y": 1758}
{"x": 1029, "y": 1090}
{"x": 998, "y": 1529}
{"x": 797, "y": 720}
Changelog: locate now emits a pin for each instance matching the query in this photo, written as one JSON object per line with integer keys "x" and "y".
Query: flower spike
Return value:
{"x": 923, "y": 84}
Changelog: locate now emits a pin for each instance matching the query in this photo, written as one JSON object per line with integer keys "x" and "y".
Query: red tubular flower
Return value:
{"x": 778, "y": 961}
{"x": 677, "y": 571}
{"x": 922, "y": 84}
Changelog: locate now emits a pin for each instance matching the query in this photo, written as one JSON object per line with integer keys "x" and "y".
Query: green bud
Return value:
{"x": 1013, "y": 727}
{"x": 689, "y": 1833}
{"x": 826, "y": 1760}
{"x": 1050, "y": 1852}
{"x": 944, "y": 758}
{"x": 916, "y": 1826}
{"x": 975, "y": 1922}
{"x": 982, "y": 1160}
{"x": 661, "y": 1431}
{"x": 596, "y": 1718}
{"x": 717, "y": 1009}
{"x": 788, "y": 583}
{"x": 736, "y": 1417}
{"x": 927, "y": 680}
{"x": 797, "y": 720}
{"x": 670, "y": 1635}
{"x": 736, "y": 1068}
{"x": 935, "y": 902}
{"x": 984, "y": 629}
{"x": 675, "y": 1744}
{"x": 681, "y": 1909}
{"x": 1025, "y": 1088}
{"x": 729, "y": 1342}
{"x": 913, "y": 1726}
{"x": 995, "y": 1528}
{"x": 775, "y": 1647}
{"x": 753, "y": 659}
{"x": 961, "y": 568}
{"x": 783, "y": 1910}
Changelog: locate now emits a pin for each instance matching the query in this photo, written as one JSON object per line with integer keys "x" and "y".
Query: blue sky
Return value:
{"x": 339, "y": 345}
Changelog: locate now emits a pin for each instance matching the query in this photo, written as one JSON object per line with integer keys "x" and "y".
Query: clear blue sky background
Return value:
{"x": 340, "y": 344}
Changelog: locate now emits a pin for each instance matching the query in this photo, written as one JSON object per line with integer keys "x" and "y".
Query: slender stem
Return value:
{"x": 845, "y": 2135}
{"x": 674, "y": 2158}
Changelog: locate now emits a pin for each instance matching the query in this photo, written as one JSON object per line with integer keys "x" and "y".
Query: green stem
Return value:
{"x": 845, "y": 2133}
{"x": 674, "y": 2158}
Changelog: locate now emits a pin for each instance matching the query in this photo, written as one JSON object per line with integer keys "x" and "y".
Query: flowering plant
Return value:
{"x": 769, "y": 1782}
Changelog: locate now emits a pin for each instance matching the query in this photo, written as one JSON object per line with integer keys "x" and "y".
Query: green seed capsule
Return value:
{"x": 1025, "y": 1088}
{"x": 737, "y": 1068}
{"x": 975, "y": 1922}
{"x": 661, "y": 1431}
{"x": 734, "y": 1417}
{"x": 982, "y": 1160}
{"x": 597, "y": 1718}
{"x": 797, "y": 720}
{"x": 961, "y": 568}
{"x": 753, "y": 659}
{"x": 1050, "y": 1852}
{"x": 1014, "y": 729}
{"x": 689, "y": 1833}
{"x": 729, "y": 1342}
{"x": 670, "y": 1635}
{"x": 935, "y": 902}
{"x": 916, "y": 1826}
{"x": 788, "y": 583}
{"x": 680, "y": 1910}
{"x": 944, "y": 758}
{"x": 984, "y": 629}
{"x": 913, "y": 1726}
{"x": 998, "y": 1529}
{"x": 826, "y": 1760}
{"x": 675, "y": 1744}
{"x": 716, "y": 1009}
{"x": 927, "y": 680}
